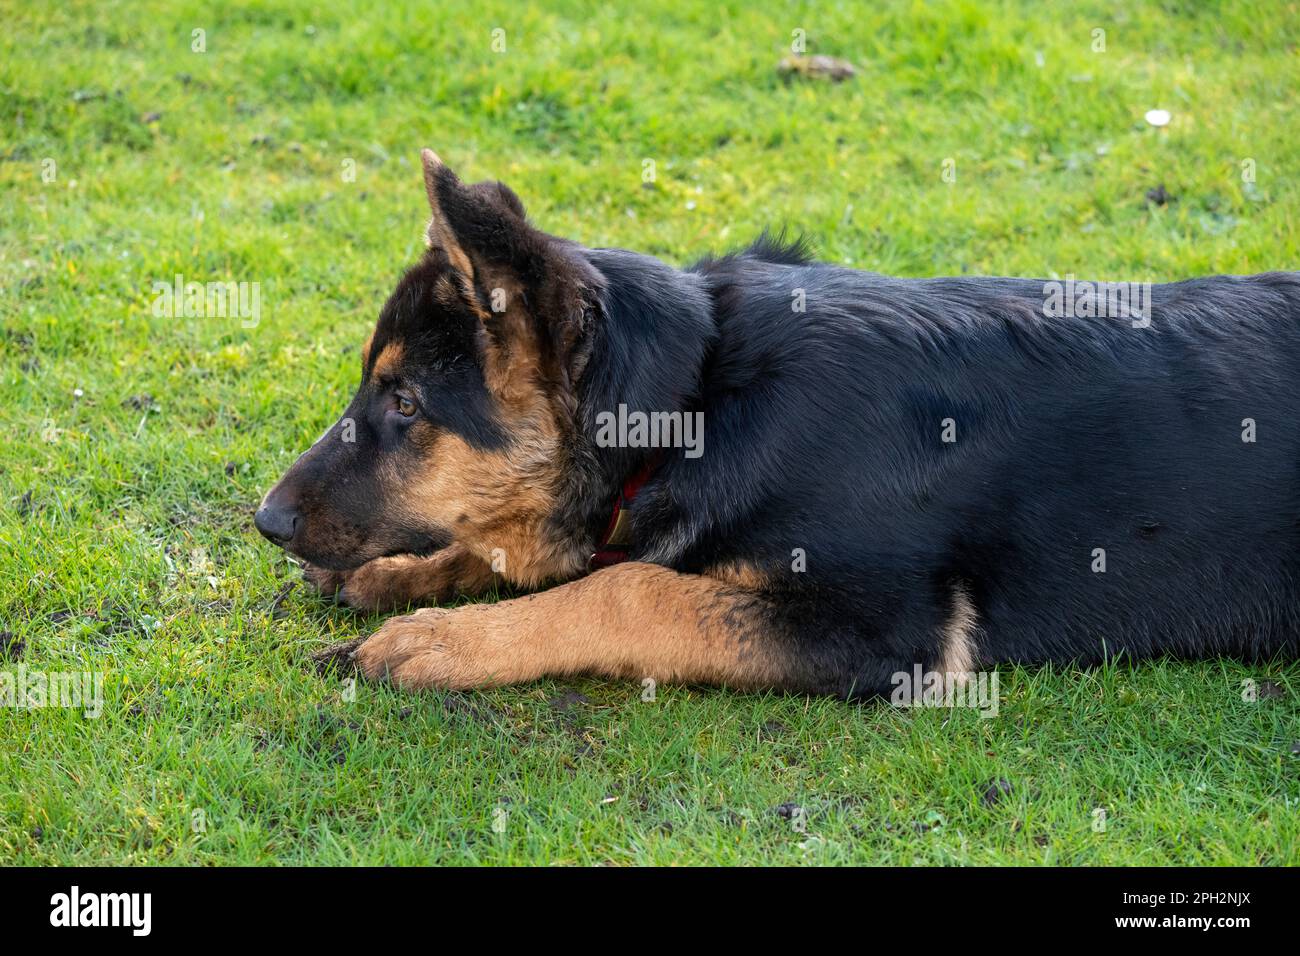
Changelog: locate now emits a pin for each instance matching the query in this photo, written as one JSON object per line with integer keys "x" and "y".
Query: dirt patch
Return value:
{"x": 567, "y": 701}
{"x": 817, "y": 67}
{"x": 1270, "y": 690}
{"x": 788, "y": 811}
{"x": 118, "y": 621}
{"x": 333, "y": 736}
{"x": 995, "y": 791}
{"x": 337, "y": 658}
{"x": 11, "y": 646}
{"x": 1159, "y": 196}
{"x": 467, "y": 707}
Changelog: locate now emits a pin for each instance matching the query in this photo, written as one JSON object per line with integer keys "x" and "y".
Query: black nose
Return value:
{"x": 276, "y": 522}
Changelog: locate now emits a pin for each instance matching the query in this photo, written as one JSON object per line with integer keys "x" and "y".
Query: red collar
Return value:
{"x": 616, "y": 543}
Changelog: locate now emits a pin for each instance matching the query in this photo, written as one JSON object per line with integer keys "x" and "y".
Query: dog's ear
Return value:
{"x": 535, "y": 295}
{"x": 439, "y": 180}
{"x": 486, "y": 219}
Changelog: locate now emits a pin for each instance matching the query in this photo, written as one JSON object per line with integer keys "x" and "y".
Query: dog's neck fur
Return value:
{"x": 654, "y": 336}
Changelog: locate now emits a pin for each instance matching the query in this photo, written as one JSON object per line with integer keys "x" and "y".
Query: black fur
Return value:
{"x": 823, "y": 433}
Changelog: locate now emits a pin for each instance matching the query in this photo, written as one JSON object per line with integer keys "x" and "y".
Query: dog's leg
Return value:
{"x": 385, "y": 584}
{"x": 632, "y": 621}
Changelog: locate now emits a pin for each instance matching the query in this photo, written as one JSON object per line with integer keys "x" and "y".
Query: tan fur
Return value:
{"x": 632, "y": 621}
{"x": 454, "y": 290}
{"x": 496, "y": 504}
{"x": 439, "y": 234}
{"x": 739, "y": 574}
{"x": 385, "y": 584}
{"x": 512, "y": 361}
{"x": 959, "y": 655}
{"x": 388, "y": 361}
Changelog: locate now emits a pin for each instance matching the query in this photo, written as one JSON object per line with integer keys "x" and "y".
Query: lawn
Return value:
{"x": 985, "y": 138}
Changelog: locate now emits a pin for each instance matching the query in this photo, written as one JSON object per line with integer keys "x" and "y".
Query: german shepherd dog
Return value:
{"x": 891, "y": 473}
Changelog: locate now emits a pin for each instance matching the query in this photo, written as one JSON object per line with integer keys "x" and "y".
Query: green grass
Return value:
{"x": 126, "y": 542}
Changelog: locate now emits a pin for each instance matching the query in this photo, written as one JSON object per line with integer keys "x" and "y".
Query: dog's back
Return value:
{"x": 1082, "y": 485}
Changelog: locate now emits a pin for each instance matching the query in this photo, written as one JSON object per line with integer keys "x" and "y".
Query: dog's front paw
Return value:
{"x": 367, "y": 588}
{"x": 430, "y": 648}
{"x": 327, "y": 582}
{"x": 389, "y": 583}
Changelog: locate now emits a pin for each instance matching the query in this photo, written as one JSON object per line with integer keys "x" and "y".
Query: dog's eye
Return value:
{"x": 405, "y": 406}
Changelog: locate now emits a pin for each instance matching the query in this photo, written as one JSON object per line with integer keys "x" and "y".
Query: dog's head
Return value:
{"x": 459, "y": 429}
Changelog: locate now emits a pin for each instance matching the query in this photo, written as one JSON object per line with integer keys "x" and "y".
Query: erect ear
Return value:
{"x": 535, "y": 294}
{"x": 482, "y": 223}
{"x": 438, "y": 180}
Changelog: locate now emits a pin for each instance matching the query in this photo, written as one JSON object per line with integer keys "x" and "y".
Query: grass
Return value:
{"x": 135, "y": 448}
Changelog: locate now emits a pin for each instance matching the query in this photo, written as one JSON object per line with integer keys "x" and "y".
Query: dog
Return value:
{"x": 891, "y": 473}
